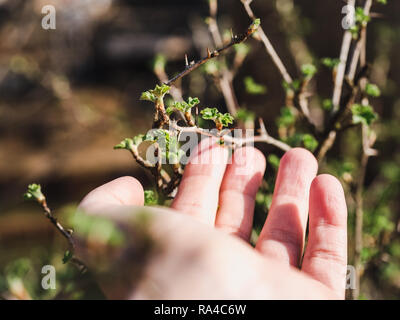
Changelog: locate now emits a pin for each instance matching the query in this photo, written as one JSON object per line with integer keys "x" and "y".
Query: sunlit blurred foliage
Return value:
{"x": 68, "y": 96}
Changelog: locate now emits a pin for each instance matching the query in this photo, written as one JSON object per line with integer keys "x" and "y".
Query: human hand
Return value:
{"x": 202, "y": 241}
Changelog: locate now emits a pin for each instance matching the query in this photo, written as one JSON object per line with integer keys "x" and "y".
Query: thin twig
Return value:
{"x": 335, "y": 124}
{"x": 226, "y": 76}
{"x": 367, "y": 152}
{"x": 329, "y": 136}
{"x": 67, "y": 234}
{"x": 236, "y": 142}
{"x": 268, "y": 45}
{"x": 236, "y": 39}
{"x": 161, "y": 177}
{"x": 368, "y": 140}
{"x": 344, "y": 53}
{"x": 298, "y": 99}
{"x": 360, "y": 44}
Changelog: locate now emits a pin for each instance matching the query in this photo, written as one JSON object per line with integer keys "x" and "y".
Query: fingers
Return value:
{"x": 121, "y": 191}
{"x": 325, "y": 258}
{"x": 238, "y": 191}
{"x": 282, "y": 236}
{"x": 199, "y": 188}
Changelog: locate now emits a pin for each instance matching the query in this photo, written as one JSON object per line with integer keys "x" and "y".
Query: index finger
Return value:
{"x": 199, "y": 189}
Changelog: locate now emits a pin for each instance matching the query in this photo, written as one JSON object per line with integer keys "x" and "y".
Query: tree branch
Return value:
{"x": 34, "y": 192}
{"x": 236, "y": 142}
{"x": 330, "y": 133}
{"x": 344, "y": 53}
{"x": 367, "y": 152}
{"x": 298, "y": 99}
{"x": 236, "y": 39}
{"x": 226, "y": 77}
{"x": 268, "y": 45}
{"x": 359, "y": 46}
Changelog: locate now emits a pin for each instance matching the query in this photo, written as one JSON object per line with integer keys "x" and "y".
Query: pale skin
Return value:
{"x": 205, "y": 234}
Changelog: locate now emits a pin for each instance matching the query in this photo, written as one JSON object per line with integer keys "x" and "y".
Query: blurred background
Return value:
{"x": 67, "y": 96}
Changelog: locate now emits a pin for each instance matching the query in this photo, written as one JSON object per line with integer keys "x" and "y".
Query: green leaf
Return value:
{"x": 226, "y": 119}
{"x": 382, "y": 1}
{"x": 67, "y": 256}
{"x": 157, "y": 93}
{"x": 263, "y": 200}
{"x": 368, "y": 253}
{"x": 245, "y": 115}
{"x": 150, "y": 198}
{"x": 295, "y": 140}
{"x": 343, "y": 167}
{"x": 274, "y": 161}
{"x": 372, "y": 90}
{"x": 242, "y": 49}
{"x": 127, "y": 144}
{"x": 330, "y": 62}
{"x": 327, "y": 104}
{"x": 147, "y": 95}
{"x": 150, "y": 137}
{"x": 18, "y": 268}
{"x": 193, "y": 102}
{"x": 285, "y": 85}
{"x": 363, "y": 114}
{"x": 310, "y": 142}
{"x": 211, "y": 67}
{"x": 138, "y": 139}
{"x": 183, "y": 106}
{"x": 216, "y": 116}
{"x": 257, "y": 22}
{"x": 394, "y": 249}
{"x": 361, "y": 17}
{"x": 254, "y": 26}
{"x": 296, "y": 84}
{"x": 209, "y": 113}
{"x": 170, "y": 109}
{"x": 34, "y": 192}
{"x": 252, "y": 87}
{"x": 308, "y": 70}
{"x": 287, "y": 118}
{"x": 160, "y": 91}
{"x": 159, "y": 62}
{"x": 354, "y": 30}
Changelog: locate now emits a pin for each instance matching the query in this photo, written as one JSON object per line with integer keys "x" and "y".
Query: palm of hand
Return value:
{"x": 199, "y": 262}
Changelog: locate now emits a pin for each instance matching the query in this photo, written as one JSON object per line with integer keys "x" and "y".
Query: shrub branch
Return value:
{"x": 236, "y": 39}
{"x": 34, "y": 193}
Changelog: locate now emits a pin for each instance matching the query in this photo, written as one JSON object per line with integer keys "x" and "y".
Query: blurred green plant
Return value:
{"x": 380, "y": 248}
{"x": 253, "y": 87}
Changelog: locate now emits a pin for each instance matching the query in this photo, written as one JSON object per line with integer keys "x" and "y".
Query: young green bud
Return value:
{"x": 127, "y": 144}
{"x": 34, "y": 192}
{"x": 308, "y": 70}
{"x": 363, "y": 114}
{"x": 372, "y": 90}
{"x": 253, "y": 87}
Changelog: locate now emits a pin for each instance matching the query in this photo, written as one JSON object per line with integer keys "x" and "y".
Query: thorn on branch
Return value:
{"x": 186, "y": 60}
